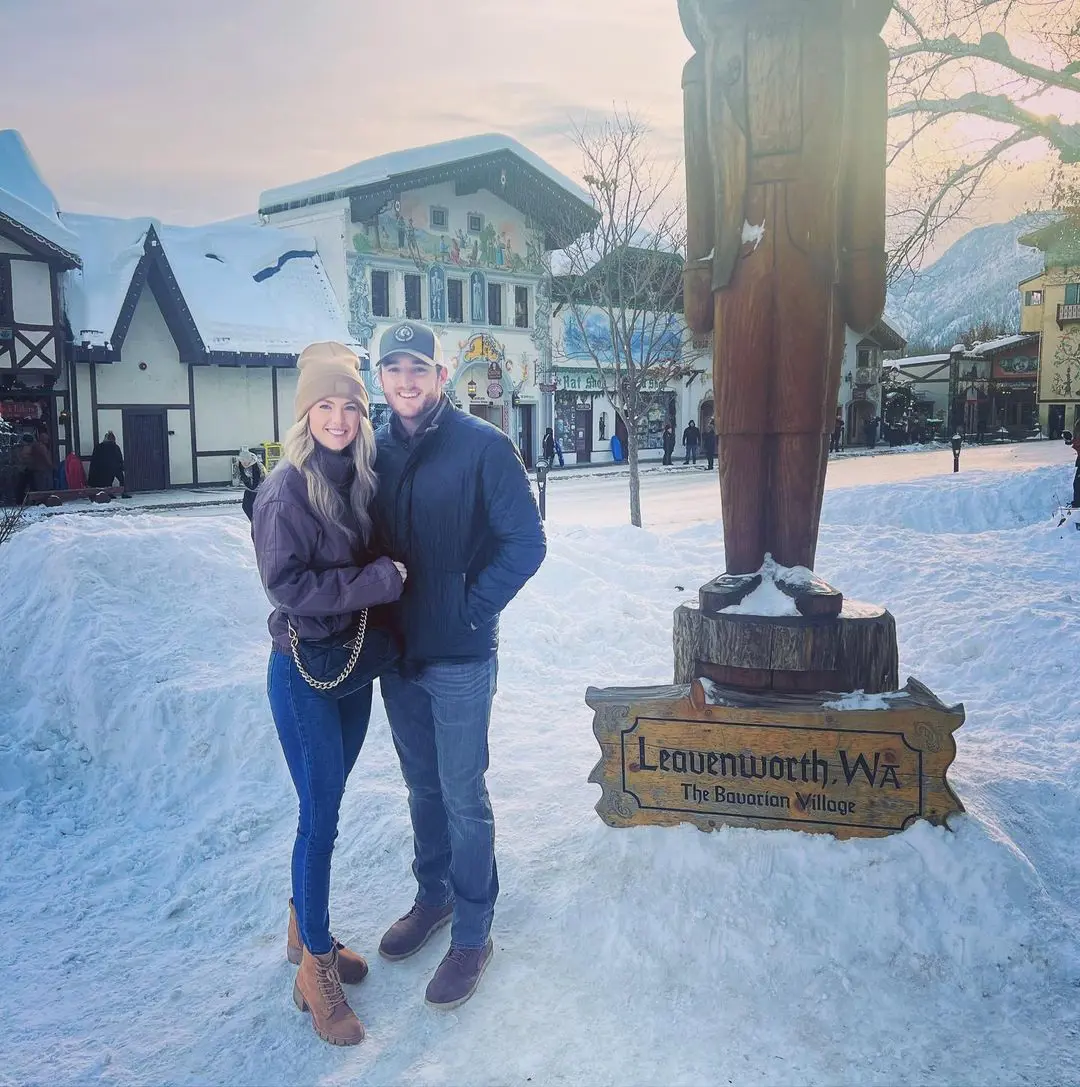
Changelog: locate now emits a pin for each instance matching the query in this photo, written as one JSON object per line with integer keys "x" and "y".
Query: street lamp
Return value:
{"x": 957, "y": 440}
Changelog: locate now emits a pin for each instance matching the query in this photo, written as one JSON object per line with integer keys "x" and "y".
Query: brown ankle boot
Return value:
{"x": 317, "y": 989}
{"x": 353, "y": 968}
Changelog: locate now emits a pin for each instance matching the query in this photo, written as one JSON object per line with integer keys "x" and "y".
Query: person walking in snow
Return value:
{"x": 668, "y": 440}
{"x": 549, "y": 447}
{"x": 251, "y": 475}
{"x": 690, "y": 439}
{"x": 708, "y": 443}
{"x": 106, "y": 463}
{"x": 454, "y": 504}
{"x": 314, "y": 545}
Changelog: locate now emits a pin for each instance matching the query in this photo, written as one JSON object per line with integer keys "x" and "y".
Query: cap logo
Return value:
{"x": 404, "y": 334}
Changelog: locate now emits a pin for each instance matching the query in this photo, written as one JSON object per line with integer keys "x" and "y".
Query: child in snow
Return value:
{"x": 251, "y": 475}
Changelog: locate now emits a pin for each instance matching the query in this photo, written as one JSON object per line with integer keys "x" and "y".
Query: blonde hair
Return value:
{"x": 297, "y": 450}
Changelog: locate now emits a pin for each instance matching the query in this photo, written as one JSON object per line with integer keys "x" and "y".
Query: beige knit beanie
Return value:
{"x": 328, "y": 369}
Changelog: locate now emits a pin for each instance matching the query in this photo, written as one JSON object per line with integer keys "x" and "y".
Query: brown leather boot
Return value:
{"x": 317, "y": 989}
{"x": 353, "y": 968}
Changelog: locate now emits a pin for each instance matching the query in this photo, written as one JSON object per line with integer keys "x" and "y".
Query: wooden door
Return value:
{"x": 583, "y": 435}
{"x": 146, "y": 449}
{"x": 526, "y": 437}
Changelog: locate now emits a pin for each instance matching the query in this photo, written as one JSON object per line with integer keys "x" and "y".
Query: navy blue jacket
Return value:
{"x": 454, "y": 505}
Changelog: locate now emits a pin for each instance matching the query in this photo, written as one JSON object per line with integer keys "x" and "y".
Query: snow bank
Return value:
{"x": 147, "y": 821}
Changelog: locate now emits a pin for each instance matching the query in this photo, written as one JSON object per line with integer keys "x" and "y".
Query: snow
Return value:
{"x": 860, "y": 700}
{"x": 768, "y": 598}
{"x": 383, "y": 167}
{"x": 990, "y": 346}
{"x": 752, "y": 235}
{"x": 917, "y": 360}
{"x": 215, "y": 268}
{"x": 146, "y": 818}
{"x": 24, "y": 196}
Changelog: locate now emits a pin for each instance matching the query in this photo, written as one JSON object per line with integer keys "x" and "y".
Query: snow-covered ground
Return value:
{"x": 146, "y": 819}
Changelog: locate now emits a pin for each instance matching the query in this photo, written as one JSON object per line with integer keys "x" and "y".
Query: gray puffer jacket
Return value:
{"x": 312, "y": 573}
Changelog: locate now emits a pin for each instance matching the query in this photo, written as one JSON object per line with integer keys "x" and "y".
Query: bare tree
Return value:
{"x": 619, "y": 293}
{"x": 986, "y": 59}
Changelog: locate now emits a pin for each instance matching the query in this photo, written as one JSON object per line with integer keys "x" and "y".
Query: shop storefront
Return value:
{"x": 29, "y": 416}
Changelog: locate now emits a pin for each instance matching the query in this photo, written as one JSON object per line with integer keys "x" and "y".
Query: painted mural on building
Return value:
{"x": 1065, "y": 381}
{"x": 503, "y": 246}
{"x": 591, "y": 338}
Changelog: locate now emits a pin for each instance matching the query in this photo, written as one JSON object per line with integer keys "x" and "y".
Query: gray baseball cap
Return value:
{"x": 412, "y": 338}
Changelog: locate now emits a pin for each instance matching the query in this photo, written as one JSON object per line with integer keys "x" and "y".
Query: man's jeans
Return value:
{"x": 321, "y": 739}
{"x": 439, "y": 720}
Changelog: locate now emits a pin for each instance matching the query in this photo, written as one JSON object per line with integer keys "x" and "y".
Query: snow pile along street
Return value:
{"x": 147, "y": 819}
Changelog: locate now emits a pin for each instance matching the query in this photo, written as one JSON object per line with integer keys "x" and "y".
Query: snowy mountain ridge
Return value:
{"x": 973, "y": 283}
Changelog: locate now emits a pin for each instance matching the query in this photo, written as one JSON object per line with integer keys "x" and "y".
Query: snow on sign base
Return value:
{"x": 729, "y": 758}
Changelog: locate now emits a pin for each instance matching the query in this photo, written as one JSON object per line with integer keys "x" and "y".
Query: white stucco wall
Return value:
{"x": 8, "y": 246}
{"x": 31, "y": 292}
{"x": 233, "y": 407}
{"x": 164, "y": 381}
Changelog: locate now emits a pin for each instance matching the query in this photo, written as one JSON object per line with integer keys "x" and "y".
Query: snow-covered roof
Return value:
{"x": 248, "y": 288}
{"x": 920, "y": 360}
{"x": 991, "y": 347}
{"x": 24, "y": 196}
{"x": 382, "y": 168}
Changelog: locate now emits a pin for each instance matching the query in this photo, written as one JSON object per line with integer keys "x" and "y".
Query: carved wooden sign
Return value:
{"x": 715, "y": 756}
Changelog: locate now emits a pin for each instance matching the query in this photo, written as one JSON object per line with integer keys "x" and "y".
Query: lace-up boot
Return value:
{"x": 458, "y": 975}
{"x": 318, "y": 990}
{"x": 353, "y": 968}
{"x": 408, "y": 934}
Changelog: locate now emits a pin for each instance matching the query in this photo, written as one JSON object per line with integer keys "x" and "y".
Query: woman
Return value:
{"x": 312, "y": 534}
{"x": 251, "y": 475}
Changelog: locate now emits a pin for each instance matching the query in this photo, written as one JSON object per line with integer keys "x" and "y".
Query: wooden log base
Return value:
{"x": 855, "y": 650}
{"x": 59, "y": 497}
{"x": 715, "y": 756}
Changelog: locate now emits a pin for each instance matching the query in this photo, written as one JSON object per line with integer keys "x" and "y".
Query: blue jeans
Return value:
{"x": 439, "y": 720}
{"x": 321, "y": 739}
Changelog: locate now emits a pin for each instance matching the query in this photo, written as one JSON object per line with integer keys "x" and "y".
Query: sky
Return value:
{"x": 188, "y": 109}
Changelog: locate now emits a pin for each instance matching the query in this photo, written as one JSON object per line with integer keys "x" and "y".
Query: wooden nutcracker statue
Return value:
{"x": 785, "y": 107}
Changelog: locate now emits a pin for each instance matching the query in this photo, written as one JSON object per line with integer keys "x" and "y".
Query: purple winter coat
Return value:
{"x": 311, "y": 572}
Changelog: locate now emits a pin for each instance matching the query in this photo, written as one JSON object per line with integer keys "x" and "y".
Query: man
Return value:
{"x": 690, "y": 438}
{"x": 454, "y": 505}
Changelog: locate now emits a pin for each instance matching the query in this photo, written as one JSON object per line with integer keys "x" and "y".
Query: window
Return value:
{"x": 865, "y": 357}
{"x": 380, "y": 294}
{"x": 1033, "y": 298}
{"x": 521, "y": 307}
{"x": 412, "y": 298}
{"x": 476, "y": 222}
{"x": 454, "y": 301}
{"x": 440, "y": 217}
{"x": 495, "y": 303}
{"x": 1072, "y": 294}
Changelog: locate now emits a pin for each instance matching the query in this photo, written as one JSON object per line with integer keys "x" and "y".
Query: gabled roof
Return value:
{"x": 225, "y": 291}
{"x": 28, "y": 208}
{"x": 886, "y": 336}
{"x": 1003, "y": 343}
{"x": 630, "y": 276}
{"x": 493, "y": 161}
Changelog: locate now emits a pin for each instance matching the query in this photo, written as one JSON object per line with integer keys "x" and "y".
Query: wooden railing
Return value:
{"x": 1068, "y": 311}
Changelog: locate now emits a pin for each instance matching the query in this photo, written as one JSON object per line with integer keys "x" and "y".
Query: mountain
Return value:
{"x": 974, "y": 282}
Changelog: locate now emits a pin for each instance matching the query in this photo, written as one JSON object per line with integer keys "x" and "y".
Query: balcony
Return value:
{"x": 1068, "y": 311}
